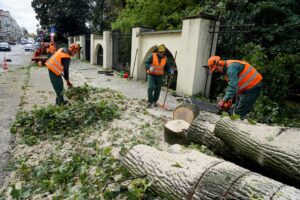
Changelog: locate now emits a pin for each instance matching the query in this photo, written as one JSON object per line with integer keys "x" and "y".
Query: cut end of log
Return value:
{"x": 175, "y": 131}
{"x": 186, "y": 112}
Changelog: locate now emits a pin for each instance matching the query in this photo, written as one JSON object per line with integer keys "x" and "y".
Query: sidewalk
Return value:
{"x": 81, "y": 72}
{"x": 10, "y": 95}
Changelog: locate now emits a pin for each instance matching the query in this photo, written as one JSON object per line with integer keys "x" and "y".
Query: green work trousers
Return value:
{"x": 246, "y": 100}
{"x": 58, "y": 85}
{"x": 49, "y": 55}
{"x": 154, "y": 87}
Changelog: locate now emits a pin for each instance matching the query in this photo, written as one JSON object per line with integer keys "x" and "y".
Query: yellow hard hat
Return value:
{"x": 161, "y": 48}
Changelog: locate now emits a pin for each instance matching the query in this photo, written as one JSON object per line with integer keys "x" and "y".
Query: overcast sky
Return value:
{"x": 22, "y": 12}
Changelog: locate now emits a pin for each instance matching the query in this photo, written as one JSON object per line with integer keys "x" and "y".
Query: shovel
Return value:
{"x": 168, "y": 85}
{"x": 163, "y": 105}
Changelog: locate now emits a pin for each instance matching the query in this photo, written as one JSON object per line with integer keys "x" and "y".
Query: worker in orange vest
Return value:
{"x": 58, "y": 66}
{"x": 156, "y": 64}
{"x": 51, "y": 49}
{"x": 243, "y": 80}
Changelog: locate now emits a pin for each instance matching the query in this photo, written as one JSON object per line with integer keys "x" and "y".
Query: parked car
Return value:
{"x": 29, "y": 47}
{"x": 4, "y": 46}
{"x": 23, "y": 42}
{"x": 12, "y": 43}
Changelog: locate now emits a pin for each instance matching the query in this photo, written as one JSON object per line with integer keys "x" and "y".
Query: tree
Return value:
{"x": 157, "y": 14}
{"x": 68, "y": 16}
{"x": 103, "y": 13}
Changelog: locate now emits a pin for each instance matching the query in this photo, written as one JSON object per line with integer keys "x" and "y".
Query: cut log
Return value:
{"x": 186, "y": 112}
{"x": 273, "y": 148}
{"x": 201, "y": 131}
{"x": 193, "y": 175}
{"x": 175, "y": 131}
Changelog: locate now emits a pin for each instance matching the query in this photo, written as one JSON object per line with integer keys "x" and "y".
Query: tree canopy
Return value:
{"x": 161, "y": 15}
{"x": 68, "y": 16}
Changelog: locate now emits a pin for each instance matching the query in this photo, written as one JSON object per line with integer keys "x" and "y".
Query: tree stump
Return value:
{"x": 175, "y": 131}
{"x": 193, "y": 175}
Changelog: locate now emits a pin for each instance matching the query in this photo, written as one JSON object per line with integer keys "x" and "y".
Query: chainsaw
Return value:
{"x": 228, "y": 106}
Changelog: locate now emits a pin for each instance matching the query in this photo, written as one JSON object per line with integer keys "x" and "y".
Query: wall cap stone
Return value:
{"x": 203, "y": 16}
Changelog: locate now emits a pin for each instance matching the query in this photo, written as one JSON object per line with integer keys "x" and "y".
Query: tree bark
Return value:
{"x": 201, "y": 131}
{"x": 275, "y": 149}
{"x": 193, "y": 175}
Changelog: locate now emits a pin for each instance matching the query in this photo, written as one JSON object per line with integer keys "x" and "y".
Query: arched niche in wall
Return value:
{"x": 99, "y": 55}
{"x": 172, "y": 80}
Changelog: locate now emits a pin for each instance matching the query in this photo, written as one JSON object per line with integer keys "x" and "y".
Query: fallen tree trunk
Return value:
{"x": 201, "y": 131}
{"x": 193, "y": 175}
{"x": 273, "y": 148}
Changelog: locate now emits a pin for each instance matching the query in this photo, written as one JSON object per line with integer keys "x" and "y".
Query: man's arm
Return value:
{"x": 66, "y": 64}
{"x": 233, "y": 78}
{"x": 148, "y": 62}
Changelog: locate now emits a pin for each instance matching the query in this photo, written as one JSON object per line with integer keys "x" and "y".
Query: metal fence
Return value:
{"x": 88, "y": 47}
{"x": 121, "y": 50}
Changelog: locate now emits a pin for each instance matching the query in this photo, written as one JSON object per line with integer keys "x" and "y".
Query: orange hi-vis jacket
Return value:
{"x": 54, "y": 62}
{"x": 51, "y": 48}
{"x": 248, "y": 78}
{"x": 159, "y": 68}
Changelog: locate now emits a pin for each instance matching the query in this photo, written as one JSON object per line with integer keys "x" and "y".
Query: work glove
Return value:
{"x": 69, "y": 84}
{"x": 221, "y": 104}
{"x": 151, "y": 69}
{"x": 171, "y": 71}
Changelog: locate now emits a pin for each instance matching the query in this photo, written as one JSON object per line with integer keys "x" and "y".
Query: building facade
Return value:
{"x": 9, "y": 28}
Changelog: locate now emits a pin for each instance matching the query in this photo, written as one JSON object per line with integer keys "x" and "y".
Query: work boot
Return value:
{"x": 155, "y": 104}
{"x": 149, "y": 105}
{"x": 65, "y": 102}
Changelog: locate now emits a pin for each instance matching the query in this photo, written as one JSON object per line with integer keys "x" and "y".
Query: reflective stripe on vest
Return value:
{"x": 159, "y": 68}
{"x": 248, "y": 78}
{"x": 54, "y": 62}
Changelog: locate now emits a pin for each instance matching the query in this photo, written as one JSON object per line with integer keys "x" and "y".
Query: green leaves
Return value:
{"x": 51, "y": 121}
{"x": 160, "y": 15}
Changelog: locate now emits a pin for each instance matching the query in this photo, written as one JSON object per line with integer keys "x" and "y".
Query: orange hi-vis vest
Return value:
{"x": 51, "y": 49}
{"x": 54, "y": 62}
{"x": 248, "y": 78}
{"x": 159, "y": 68}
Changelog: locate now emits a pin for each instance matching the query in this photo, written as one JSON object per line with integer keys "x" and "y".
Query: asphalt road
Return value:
{"x": 11, "y": 82}
{"x": 18, "y": 56}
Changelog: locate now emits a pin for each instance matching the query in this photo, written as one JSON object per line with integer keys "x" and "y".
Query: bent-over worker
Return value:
{"x": 243, "y": 80}
{"x": 58, "y": 66}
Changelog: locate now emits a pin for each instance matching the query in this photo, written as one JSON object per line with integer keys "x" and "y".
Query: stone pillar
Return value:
{"x": 92, "y": 54}
{"x": 82, "y": 44}
{"x": 70, "y": 40}
{"x": 196, "y": 45}
{"x": 107, "y": 50}
{"x": 135, "y": 60}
